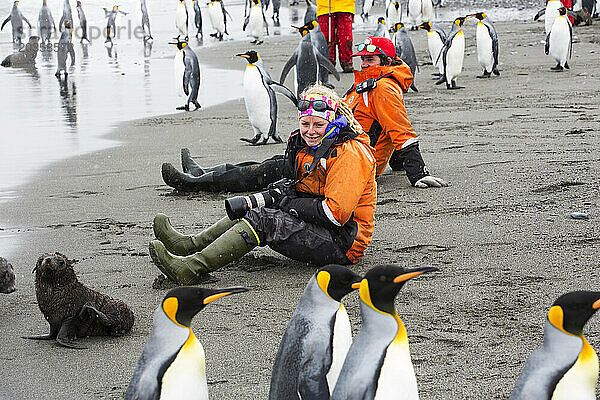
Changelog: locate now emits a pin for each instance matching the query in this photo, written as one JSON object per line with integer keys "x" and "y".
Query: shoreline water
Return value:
{"x": 501, "y": 233}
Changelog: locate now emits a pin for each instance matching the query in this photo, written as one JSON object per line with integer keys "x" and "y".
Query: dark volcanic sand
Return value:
{"x": 521, "y": 153}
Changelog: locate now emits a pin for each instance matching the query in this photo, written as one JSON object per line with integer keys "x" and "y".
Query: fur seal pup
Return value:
{"x": 7, "y": 277}
{"x": 25, "y": 57}
{"x": 73, "y": 310}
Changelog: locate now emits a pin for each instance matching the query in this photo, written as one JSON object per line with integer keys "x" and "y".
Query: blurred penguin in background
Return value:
{"x": 187, "y": 74}
{"x": 16, "y": 19}
{"x": 45, "y": 23}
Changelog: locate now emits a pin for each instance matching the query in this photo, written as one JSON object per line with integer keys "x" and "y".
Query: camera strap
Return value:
{"x": 321, "y": 151}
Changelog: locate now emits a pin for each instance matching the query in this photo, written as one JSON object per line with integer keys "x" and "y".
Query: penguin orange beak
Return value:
{"x": 596, "y": 304}
{"x": 414, "y": 273}
{"x": 355, "y": 285}
{"x": 223, "y": 293}
{"x": 244, "y": 55}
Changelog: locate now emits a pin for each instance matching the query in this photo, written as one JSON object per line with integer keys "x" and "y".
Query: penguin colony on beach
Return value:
{"x": 318, "y": 359}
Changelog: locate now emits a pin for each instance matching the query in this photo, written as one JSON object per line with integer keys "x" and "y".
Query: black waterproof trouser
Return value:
{"x": 297, "y": 239}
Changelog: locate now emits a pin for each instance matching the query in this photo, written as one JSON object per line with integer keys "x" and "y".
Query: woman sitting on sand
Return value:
{"x": 327, "y": 215}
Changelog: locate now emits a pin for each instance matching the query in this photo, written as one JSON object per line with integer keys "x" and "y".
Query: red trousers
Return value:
{"x": 341, "y": 34}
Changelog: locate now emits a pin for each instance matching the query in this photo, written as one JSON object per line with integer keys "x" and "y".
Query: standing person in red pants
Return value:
{"x": 335, "y": 20}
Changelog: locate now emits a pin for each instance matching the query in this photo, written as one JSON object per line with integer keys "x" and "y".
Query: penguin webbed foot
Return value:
{"x": 496, "y": 72}
{"x": 198, "y": 106}
{"x": 484, "y": 75}
{"x": 186, "y": 107}
{"x": 252, "y": 141}
{"x": 441, "y": 80}
{"x": 436, "y": 74}
{"x": 557, "y": 68}
{"x": 567, "y": 65}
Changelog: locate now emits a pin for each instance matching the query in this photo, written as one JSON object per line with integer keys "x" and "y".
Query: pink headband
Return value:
{"x": 326, "y": 114}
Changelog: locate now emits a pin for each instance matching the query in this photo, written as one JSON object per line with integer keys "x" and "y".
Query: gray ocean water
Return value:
{"x": 44, "y": 120}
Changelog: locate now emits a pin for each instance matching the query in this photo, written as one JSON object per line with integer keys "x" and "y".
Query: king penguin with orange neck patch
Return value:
{"x": 315, "y": 343}
{"x": 565, "y": 367}
{"x": 172, "y": 365}
{"x": 378, "y": 364}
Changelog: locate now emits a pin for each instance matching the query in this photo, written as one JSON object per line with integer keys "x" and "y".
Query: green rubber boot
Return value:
{"x": 228, "y": 247}
{"x": 184, "y": 245}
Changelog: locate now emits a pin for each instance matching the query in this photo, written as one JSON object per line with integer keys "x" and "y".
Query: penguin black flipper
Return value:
{"x": 5, "y": 22}
{"x": 539, "y": 14}
{"x": 312, "y": 381}
{"x": 279, "y": 88}
{"x": 288, "y": 66}
{"x": 324, "y": 62}
{"x": 547, "y": 48}
{"x": 570, "y": 39}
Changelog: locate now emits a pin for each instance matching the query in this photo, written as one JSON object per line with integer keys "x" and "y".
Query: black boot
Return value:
{"x": 188, "y": 164}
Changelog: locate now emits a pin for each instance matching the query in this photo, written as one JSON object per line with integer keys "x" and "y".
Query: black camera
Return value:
{"x": 238, "y": 206}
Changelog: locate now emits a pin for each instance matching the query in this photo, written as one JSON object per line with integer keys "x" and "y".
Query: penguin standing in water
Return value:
{"x": 378, "y": 364}
{"x": 16, "y": 19}
{"x": 173, "y": 363}
{"x": 259, "y": 96}
{"x": 315, "y": 343}
{"x": 218, "y": 18}
{"x": 307, "y": 61}
{"x": 198, "y": 20}
{"x": 393, "y": 11}
{"x": 45, "y": 23}
{"x": 82, "y": 22}
{"x": 453, "y": 54}
{"x": 66, "y": 16}
{"x": 405, "y": 49}
{"x": 559, "y": 42}
{"x": 111, "y": 20}
{"x": 145, "y": 20}
{"x": 187, "y": 74}
{"x": 436, "y": 37}
{"x": 181, "y": 20}
{"x": 381, "y": 29}
{"x": 565, "y": 367}
{"x": 65, "y": 48}
{"x": 487, "y": 45}
{"x": 256, "y": 22}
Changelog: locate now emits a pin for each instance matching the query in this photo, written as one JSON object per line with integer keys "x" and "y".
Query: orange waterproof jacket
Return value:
{"x": 345, "y": 181}
{"x": 346, "y": 6}
{"x": 381, "y": 112}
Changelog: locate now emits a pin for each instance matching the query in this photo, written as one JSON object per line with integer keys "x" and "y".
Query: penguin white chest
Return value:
{"x": 551, "y": 13}
{"x": 414, "y": 11}
{"x": 426, "y": 10}
{"x": 181, "y": 19}
{"x": 216, "y": 16}
{"x": 580, "y": 381}
{"x": 397, "y": 379}
{"x": 434, "y": 43}
{"x": 256, "y": 23}
{"x": 560, "y": 40}
{"x": 179, "y": 70}
{"x": 485, "y": 53}
{"x": 342, "y": 340}
{"x": 256, "y": 97}
{"x": 186, "y": 376}
{"x": 455, "y": 56}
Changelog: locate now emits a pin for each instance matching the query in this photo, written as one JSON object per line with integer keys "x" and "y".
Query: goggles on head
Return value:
{"x": 319, "y": 107}
{"x": 371, "y": 48}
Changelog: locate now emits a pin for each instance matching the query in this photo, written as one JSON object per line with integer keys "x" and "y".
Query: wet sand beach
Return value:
{"x": 520, "y": 151}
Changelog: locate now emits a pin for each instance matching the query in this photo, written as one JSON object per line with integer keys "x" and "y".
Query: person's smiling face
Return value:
{"x": 312, "y": 129}
{"x": 369, "y": 61}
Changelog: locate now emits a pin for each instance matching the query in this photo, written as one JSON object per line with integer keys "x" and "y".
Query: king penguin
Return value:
{"x": 187, "y": 74}
{"x": 66, "y": 16}
{"x": 317, "y": 37}
{"x": 381, "y": 29}
{"x": 378, "y": 364}
{"x": 550, "y": 13}
{"x": 16, "y": 19}
{"x": 565, "y": 367}
{"x": 198, "y": 20}
{"x": 315, "y": 343}
{"x": 436, "y": 37}
{"x": 487, "y": 45}
{"x": 257, "y": 22}
{"x": 172, "y": 364}
{"x": 307, "y": 61}
{"x": 393, "y": 11}
{"x": 259, "y": 96}
{"x": 65, "y": 48}
{"x": 82, "y": 22}
{"x": 415, "y": 13}
{"x": 559, "y": 42}
{"x": 181, "y": 20}
{"x": 145, "y": 20}
{"x": 45, "y": 23}
{"x": 218, "y": 18}
{"x": 453, "y": 54}
{"x": 405, "y": 49}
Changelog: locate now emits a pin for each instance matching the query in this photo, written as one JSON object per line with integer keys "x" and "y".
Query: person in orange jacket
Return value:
{"x": 377, "y": 102}
{"x": 335, "y": 19}
{"x": 323, "y": 214}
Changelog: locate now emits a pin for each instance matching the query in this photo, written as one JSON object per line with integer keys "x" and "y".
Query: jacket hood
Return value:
{"x": 400, "y": 73}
